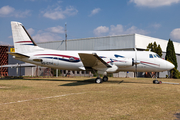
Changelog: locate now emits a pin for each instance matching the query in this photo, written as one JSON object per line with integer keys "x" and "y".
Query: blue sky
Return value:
{"x": 45, "y": 19}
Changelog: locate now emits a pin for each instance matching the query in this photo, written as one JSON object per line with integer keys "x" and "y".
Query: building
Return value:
{"x": 3, "y": 60}
{"x": 108, "y": 43}
{"x": 114, "y": 43}
{"x": 6, "y": 59}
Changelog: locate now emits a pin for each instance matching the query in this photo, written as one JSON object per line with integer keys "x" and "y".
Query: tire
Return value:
{"x": 105, "y": 79}
{"x": 98, "y": 80}
{"x": 155, "y": 81}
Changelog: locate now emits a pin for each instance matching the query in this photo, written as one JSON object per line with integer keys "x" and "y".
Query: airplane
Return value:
{"x": 103, "y": 62}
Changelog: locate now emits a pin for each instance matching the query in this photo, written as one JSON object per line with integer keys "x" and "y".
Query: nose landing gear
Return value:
{"x": 157, "y": 82}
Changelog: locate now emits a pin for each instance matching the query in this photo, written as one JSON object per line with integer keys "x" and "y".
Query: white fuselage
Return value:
{"x": 70, "y": 60}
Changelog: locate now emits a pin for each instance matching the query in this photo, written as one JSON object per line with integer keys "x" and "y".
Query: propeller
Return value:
{"x": 136, "y": 62}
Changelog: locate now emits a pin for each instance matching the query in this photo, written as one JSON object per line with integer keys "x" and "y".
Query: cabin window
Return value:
{"x": 157, "y": 55}
{"x": 150, "y": 56}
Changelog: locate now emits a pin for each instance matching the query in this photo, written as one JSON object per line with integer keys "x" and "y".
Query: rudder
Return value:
{"x": 23, "y": 43}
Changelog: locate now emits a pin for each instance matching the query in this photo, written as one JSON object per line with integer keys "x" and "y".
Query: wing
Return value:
{"x": 93, "y": 61}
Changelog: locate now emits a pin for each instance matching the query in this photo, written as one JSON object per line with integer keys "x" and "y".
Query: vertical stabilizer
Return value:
{"x": 23, "y": 43}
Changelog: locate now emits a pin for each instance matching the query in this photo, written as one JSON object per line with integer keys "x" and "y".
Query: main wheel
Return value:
{"x": 105, "y": 78}
{"x": 98, "y": 80}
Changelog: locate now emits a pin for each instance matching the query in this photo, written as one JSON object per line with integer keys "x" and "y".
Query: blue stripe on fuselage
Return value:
{"x": 67, "y": 60}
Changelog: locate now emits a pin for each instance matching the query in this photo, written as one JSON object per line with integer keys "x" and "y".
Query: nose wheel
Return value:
{"x": 157, "y": 82}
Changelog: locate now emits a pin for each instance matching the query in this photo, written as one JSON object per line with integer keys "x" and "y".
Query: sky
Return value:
{"x": 45, "y": 19}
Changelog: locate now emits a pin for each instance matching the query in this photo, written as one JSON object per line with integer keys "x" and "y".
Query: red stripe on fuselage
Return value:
{"x": 149, "y": 63}
{"x": 58, "y": 55}
{"x": 24, "y": 42}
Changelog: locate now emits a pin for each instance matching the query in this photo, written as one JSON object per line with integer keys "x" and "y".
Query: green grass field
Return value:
{"x": 81, "y": 98}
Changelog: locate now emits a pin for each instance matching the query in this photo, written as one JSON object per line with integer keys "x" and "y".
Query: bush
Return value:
{"x": 175, "y": 73}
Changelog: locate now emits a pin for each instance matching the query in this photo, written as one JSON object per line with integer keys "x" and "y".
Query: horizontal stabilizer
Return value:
{"x": 19, "y": 65}
{"x": 18, "y": 55}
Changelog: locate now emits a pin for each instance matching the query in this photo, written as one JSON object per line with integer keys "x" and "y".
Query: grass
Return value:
{"x": 80, "y": 98}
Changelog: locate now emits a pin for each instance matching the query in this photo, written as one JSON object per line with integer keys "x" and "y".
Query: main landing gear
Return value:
{"x": 99, "y": 80}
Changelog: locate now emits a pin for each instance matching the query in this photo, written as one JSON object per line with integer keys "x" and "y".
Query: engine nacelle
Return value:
{"x": 112, "y": 69}
{"x": 104, "y": 71}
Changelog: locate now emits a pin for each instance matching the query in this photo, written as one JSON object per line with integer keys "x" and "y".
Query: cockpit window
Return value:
{"x": 150, "y": 56}
{"x": 157, "y": 55}
{"x": 154, "y": 56}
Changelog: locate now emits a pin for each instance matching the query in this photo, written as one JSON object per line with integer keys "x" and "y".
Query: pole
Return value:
{"x": 32, "y": 71}
{"x": 65, "y": 36}
{"x": 56, "y": 72}
{"x": 20, "y": 70}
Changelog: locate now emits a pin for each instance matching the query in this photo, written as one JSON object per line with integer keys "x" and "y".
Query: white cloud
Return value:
{"x": 10, "y": 37}
{"x": 30, "y": 31}
{"x": 117, "y": 30}
{"x": 46, "y": 37}
{"x": 4, "y": 43}
{"x": 95, "y": 11}
{"x": 5, "y": 10}
{"x": 134, "y": 29}
{"x": 101, "y": 30}
{"x": 20, "y": 14}
{"x": 58, "y": 29}
{"x": 154, "y": 3}
{"x": 175, "y": 34}
{"x": 8, "y": 11}
{"x": 155, "y": 25}
{"x": 57, "y": 12}
{"x": 49, "y": 34}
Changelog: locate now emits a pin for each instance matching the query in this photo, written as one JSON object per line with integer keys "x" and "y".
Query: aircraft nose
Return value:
{"x": 169, "y": 65}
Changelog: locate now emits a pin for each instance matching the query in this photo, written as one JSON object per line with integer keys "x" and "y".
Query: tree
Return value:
{"x": 171, "y": 57}
{"x": 170, "y": 54}
{"x": 154, "y": 48}
{"x": 159, "y": 51}
{"x": 174, "y": 73}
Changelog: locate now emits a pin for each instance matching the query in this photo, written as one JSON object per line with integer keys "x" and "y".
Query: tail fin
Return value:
{"x": 23, "y": 43}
